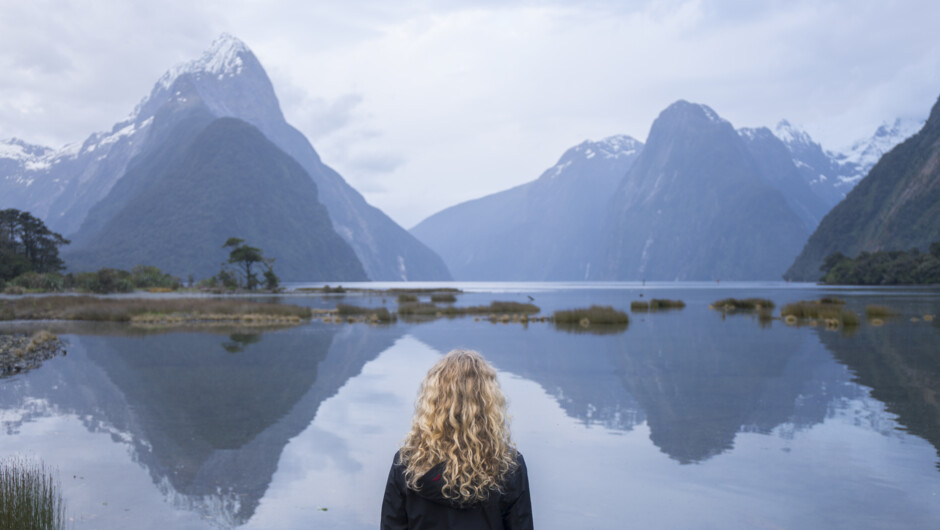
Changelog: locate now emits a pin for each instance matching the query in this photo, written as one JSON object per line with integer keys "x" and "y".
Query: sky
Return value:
{"x": 423, "y": 104}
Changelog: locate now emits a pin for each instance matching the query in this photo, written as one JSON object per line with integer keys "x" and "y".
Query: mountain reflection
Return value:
{"x": 900, "y": 361}
{"x": 696, "y": 385}
{"x": 208, "y": 417}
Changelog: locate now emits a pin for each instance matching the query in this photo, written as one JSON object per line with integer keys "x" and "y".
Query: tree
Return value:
{"x": 247, "y": 257}
{"x": 26, "y": 244}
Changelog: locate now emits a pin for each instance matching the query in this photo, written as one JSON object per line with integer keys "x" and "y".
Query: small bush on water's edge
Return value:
{"x": 30, "y": 497}
{"x": 639, "y": 306}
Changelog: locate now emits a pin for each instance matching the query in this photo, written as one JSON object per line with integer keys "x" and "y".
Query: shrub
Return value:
{"x": 639, "y": 305}
{"x": 36, "y": 281}
{"x": 147, "y": 276}
{"x": 405, "y": 298}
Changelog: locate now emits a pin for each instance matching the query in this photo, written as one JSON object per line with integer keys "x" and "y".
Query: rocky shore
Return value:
{"x": 19, "y": 353}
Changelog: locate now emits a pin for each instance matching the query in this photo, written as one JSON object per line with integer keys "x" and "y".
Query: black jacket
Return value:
{"x": 406, "y": 509}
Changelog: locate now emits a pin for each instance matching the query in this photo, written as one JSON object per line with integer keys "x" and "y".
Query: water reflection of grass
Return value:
{"x": 30, "y": 497}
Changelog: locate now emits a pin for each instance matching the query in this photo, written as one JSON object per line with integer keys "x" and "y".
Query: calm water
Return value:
{"x": 685, "y": 420}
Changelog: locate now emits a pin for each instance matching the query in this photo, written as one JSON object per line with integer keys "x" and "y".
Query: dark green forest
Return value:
{"x": 892, "y": 267}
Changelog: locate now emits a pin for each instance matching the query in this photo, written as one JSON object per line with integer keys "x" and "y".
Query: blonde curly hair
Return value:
{"x": 460, "y": 420}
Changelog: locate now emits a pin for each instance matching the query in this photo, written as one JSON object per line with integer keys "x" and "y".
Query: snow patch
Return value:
{"x": 402, "y": 270}
{"x": 222, "y": 59}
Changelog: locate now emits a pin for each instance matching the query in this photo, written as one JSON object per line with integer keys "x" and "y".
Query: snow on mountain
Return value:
{"x": 834, "y": 173}
{"x": 223, "y": 59}
{"x": 866, "y": 152}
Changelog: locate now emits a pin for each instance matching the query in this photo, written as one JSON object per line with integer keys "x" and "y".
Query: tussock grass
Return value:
{"x": 661, "y": 304}
{"x": 405, "y": 298}
{"x": 30, "y": 496}
{"x": 373, "y": 314}
{"x": 125, "y": 309}
{"x": 443, "y": 298}
{"x": 742, "y": 304}
{"x": 639, "y": 306}
{"x": 424, "y": 309}
{"x": 598, "y": 320}
{"x": 879, "y": 311}
{"x": 595, "y": 314}
{"x": 833, "y": 314}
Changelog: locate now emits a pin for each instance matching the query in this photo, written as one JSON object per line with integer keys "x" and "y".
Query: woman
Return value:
{"x": 458, "y": 467}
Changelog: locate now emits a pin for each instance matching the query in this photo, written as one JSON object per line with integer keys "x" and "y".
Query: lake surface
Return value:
{"x": 684, "y": 420}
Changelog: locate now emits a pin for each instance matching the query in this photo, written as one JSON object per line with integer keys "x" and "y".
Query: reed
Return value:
{"x": 405, "y": 298}
{"x": 30, "y": 496}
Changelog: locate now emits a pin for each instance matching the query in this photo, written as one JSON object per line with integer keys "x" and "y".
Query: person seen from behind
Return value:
{"x": 458, "y": 467}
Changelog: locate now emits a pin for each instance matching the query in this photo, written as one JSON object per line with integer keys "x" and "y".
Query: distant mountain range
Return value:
{"x": 895, "y": 207}
{"x": 63, "y": 186}
{"x": 547, "y": 229}
{"x": 700, "y": 201}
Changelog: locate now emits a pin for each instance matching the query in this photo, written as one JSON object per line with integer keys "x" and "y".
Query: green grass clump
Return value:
{"x": 638, "y": 306}
{"x": 125, "y": 309}
{"x": 377, "y": 314}
{"x": 405, "y": 298}
{"x": 30, "y": 496}
{"x": 423, "y": 309}
{"x": 443, "y": 298}
{"x": 834, "y": 314}
{"x": 745, "y": 304}
{"x": 595, "y": 314}
{"x": 661, "y": 304}
{"x": 879, "y": 311}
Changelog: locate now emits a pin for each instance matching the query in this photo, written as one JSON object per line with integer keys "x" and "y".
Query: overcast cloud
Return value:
{"x": 421, "y": 104}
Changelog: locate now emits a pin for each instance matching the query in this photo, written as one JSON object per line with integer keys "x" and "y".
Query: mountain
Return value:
{"x": 776, "y": 165}
{"x": 833, "y": 173}
{"x": 175, "y": 210}
{"x": 695, "y": 206}
{"x": 543, "y": 230}
{"x": 227, "y": 81}
{"x": 896, "y": 206}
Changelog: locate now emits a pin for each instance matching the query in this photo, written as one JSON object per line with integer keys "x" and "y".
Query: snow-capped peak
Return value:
{"x": 866, "y": 151}
{"x": 611, "y": 147}
{"x": 791, "y": 134}
{"x": 223, "y": 59}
